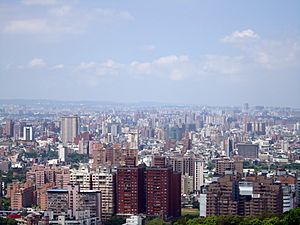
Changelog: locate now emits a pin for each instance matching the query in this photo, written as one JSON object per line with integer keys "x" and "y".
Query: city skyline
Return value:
{"x": 177, "y": 52}
{"x": 87, "y": 162}
{"x": 137, "y": 104}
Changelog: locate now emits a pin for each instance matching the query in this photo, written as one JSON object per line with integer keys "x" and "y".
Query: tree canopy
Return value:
{"x": 291, "y": 217}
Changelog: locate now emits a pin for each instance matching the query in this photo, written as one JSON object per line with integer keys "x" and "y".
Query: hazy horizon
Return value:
{"x": 174, "y": 52}
{"x": 142, "y": 103}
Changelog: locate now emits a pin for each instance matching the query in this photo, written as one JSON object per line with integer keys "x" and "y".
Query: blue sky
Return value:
{"x": 199, "y": 52}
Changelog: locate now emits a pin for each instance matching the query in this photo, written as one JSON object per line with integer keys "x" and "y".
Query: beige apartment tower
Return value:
{"x": 69, "y": 128}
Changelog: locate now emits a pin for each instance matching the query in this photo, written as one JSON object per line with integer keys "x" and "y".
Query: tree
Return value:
{"x": 156, "y": 221}
{"x": 50, "y": 155}
{"x": 211, "y": 220}
{"x": 5, "y": 203}
{"x": 8, "y": 221}
{"x": 181, "y": 221}
{"x": 271, "y": 221}
{"x": 194, "y": 221}
{"x": 115, "y": 220}
{"x": 77, "y": 158}
{"x": 292, "y": 217}
{"x": 252, "y": 221}
{"x": 232, "y": 219}
{"x": 196, "y": 205}
{"x": 210, "y": 165}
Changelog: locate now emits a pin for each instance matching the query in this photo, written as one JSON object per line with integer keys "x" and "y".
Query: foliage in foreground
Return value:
{"x": 115, "y": 220}
{"x": 8, "y": 221}
{"x": 291, "y": 217}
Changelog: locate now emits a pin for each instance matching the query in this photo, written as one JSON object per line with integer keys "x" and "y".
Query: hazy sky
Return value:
{"x": 179, "y": 51}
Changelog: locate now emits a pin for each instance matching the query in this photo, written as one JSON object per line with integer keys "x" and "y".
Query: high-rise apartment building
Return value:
{"x": 183, "y": 164}
{"x": 130, "y": 190}
{"x": 81, "y": 177}
{"x": 108, "y": 155}
{"x": 133, "y": 139}
{"x": 260, "y": 195}
{"x": 69, "y": 128}
{"x": 99, "y": 180}
{"x": 198, "y": 174}
{"x": 89, "y": 200}
{"x": 159, "y": 161}
{"x": 226, "y": 164}
{"x": 256, "y": 127}
{"x": 162, "y": 192}
{"x": 9, "y": 128}
{"x": 288, "y": 183}
{"x": 27, "y": 133}
{"x": 74, "y": 203}
{"x": 177, "y": 164}
{"x": 298, "y": 189}
{"x": 222, "y": 197}
{"x": 58, "y": 201}
{"x": 62, "y": 153}
{"x": 41, "y": 195}
{"x": 62, "y": 177}
{"x": 154, "y": 191}
{"x": 189, "y": 165}
{"x": 187, "y": 184}
{"x": 252, "y": 196}
{"x": 105, "y": 181}
{"x": 40, "y": 175}
{"x": 249, "y": 151}
{"x": 20, "y": 194}
{"x": 229, "y": 147}
{"x": 99, "y": 154}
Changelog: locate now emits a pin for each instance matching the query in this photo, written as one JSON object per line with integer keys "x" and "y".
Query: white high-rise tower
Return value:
{"x": 198, "y": 174}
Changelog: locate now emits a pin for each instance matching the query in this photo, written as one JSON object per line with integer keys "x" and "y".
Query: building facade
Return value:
{"x": 130, "y": 190}
{"x": 249, "y": 151}
{"x": 252, "y": 196}
{"x": 162, "y": 192}
{"x": 69, "y": 128}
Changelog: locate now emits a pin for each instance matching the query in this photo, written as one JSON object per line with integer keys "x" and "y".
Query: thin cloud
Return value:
{"x": 58, "y": 66}
{"x": 39, "y": 2}
{"x": 171, "y": 59}
{"x": 65, "y": 10}
{"x": 222, "y": 65}
{"x": 63, "y": 20}
{"x": 181, "y": 67}
{"x": 39, "y": 26}
{"x": 149, "y": 47}
{"x": 108, "y": 67}
{"x": 86, "y": 65}
{"x": 240, "y": 36}
{"x": 259, "y": 53}
{"x": 25, "y": 26}
{"x": 36, "y": 62}
{"x": 108, "y": 13}
{"x": 276, "y": 54}
{"x": 253, "y": 58}
{"x": 172, "y": 66}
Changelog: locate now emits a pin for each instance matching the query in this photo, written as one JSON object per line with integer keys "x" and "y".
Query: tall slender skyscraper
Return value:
{"x": 27, "y": 133}
{"x": 9, "y": 128}
{"x": 229, "y": 147}
{"x": 69, "y": 128}
{"x": 198, "y": 174}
